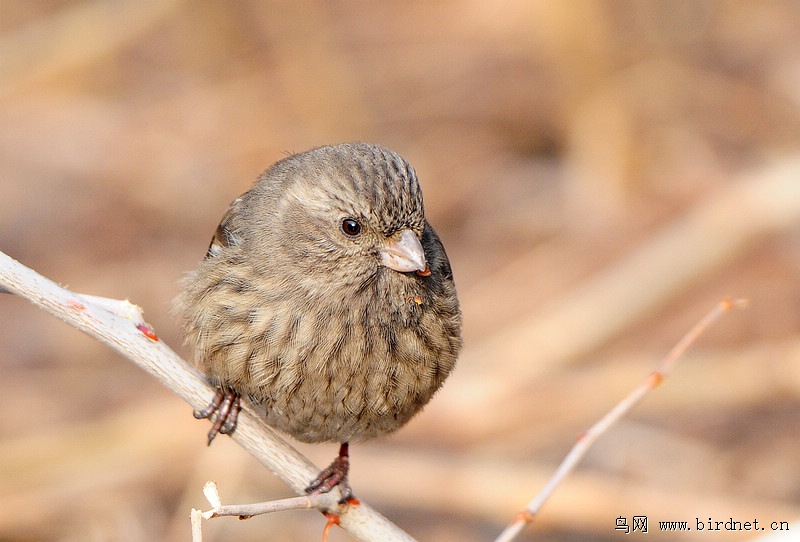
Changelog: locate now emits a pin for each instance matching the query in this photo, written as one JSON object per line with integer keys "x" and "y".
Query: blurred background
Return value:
{"x": 602, "y": 174}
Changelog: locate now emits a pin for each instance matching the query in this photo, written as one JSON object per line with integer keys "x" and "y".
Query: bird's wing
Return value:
{"x": 227, "y": 233}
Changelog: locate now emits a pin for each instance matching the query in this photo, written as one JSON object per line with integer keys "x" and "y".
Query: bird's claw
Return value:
{"x": 226, "y": 404}
{"x": 334, "y": 475}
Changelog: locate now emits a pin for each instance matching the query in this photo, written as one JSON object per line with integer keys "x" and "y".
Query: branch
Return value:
{"x": 120, "y": 325}
{"x": 319, "y": 501}
{"x": 586, "y": 440}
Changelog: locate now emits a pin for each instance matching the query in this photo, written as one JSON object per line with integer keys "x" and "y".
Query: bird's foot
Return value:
{"x": 226, "y": 404}
{"x": 333, "y": 476}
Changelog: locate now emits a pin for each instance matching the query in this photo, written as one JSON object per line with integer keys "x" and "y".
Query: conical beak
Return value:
{"x": 404, "y": 254}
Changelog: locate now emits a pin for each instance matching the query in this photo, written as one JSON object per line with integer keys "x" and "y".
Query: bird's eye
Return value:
{"x": 351, "y": 227}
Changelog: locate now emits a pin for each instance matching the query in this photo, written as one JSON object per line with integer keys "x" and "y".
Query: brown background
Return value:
{"x": 595, "y": 169}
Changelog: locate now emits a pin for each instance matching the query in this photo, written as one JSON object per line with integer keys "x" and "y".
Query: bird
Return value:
{"x": 326, "y": 300}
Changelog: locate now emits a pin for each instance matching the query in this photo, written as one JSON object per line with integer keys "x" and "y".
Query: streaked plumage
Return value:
{"x": 338, "y": 336}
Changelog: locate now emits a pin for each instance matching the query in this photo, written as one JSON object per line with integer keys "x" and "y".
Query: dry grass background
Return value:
{"x": 583, "y": 163}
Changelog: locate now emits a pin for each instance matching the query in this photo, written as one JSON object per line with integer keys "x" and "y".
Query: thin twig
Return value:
{"x": 586, "y": 440}
{"x": 197, "y": 525}
{"x": 120, "y": 325}
{"x": 318, "y": 501}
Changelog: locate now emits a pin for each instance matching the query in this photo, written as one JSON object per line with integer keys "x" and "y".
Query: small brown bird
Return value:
{"x": 327, "y": 299}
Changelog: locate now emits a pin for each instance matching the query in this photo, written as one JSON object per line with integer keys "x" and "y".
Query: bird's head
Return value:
{"x": 349, "y": 211}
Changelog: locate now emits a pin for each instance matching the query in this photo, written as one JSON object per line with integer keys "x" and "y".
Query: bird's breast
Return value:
{"x": 352, "y": 370}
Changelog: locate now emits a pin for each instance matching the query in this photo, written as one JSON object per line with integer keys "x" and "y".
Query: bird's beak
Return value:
{"x": 404, "y": 254}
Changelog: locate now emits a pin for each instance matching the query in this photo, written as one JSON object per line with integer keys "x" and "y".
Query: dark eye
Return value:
{"x": 351, "y": 227}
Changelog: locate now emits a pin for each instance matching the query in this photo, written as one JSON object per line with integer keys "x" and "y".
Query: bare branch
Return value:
{"x": 120, "y": 325}
{"x": 197, "y": 525}
{"x": 586, "y": 440}
{"x": 318, "y": 501}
